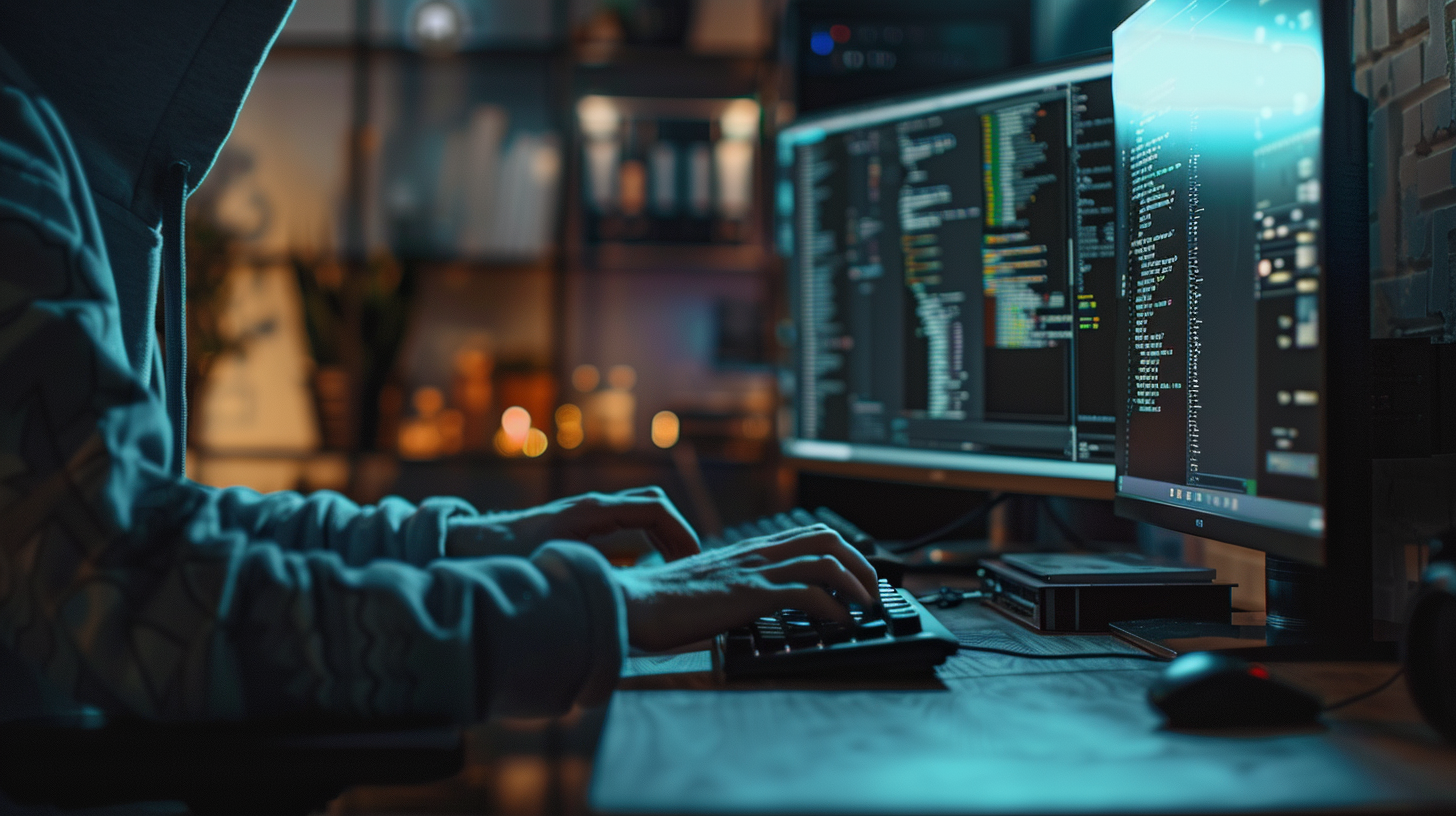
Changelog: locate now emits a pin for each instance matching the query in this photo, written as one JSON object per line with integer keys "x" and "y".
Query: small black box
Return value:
{"x": 1091, "y": 607}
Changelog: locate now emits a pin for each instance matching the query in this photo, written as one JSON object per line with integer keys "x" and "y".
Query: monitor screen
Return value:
{"x": 1220, "y": 111}
{"x": 952, "y": 270}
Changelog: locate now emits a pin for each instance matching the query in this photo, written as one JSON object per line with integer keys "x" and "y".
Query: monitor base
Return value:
{"x": 1247, "y": 637}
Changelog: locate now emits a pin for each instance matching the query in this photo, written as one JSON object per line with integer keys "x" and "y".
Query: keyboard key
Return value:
{"x": 770, "y": 641}
{"x": 832, "y": 633}
{"x": 802, "y": 638}
{"x": 870, "y": 630}
{"x": 904, "y": 622}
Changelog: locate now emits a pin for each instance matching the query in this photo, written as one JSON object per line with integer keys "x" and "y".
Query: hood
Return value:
{"x": 142, "y": 84}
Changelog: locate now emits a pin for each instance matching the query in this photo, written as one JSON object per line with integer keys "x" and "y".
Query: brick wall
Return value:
{"x": 1405, "y": 66}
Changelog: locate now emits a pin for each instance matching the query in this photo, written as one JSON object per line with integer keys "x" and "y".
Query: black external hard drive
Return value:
{"x": 1110, "y": 568}
{"x": 1092, "y": 606}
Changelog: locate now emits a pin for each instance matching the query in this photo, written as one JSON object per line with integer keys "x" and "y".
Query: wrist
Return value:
{"x": 483, "y": 535}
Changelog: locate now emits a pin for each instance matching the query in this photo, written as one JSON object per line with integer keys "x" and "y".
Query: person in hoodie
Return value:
{"x": 125, "y": 586}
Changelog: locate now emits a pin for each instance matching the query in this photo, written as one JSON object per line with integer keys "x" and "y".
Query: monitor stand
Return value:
{"x": 1305, "y": 622}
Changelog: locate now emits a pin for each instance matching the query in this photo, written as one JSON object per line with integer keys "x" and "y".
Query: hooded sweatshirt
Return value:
{"x": 125, "y": 586}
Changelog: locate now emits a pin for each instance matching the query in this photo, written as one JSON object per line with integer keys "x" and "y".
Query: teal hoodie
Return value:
{"x": 125, "y": 586}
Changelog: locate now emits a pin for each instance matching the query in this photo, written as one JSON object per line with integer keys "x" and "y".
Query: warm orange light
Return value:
{"x": 451, "y": 425}
{"x": 586, "y": 378}
{"x": 665, "y": 429}
{"x": 535, "y": 443}
{"x": 419, "y": 439}
{"x": 516, "y": 422}
{"x": 428, "y": 401}
{"x": 506, "y": 446}
{"x": 569, "y": 434}
{"x": 570, "y": 437}
{"x": 756, "y": 426}
{"x": 622, "y": 377}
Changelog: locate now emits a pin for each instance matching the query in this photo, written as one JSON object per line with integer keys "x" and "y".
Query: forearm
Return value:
{"x": 459, "y": 640}
{"x": 326, "y": 521}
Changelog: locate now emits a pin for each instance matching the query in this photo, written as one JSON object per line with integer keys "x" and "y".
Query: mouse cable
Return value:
{"x": 1065, "y": 656}
{"x": 955, "y": 524}
{"x": 1366, "y": 694}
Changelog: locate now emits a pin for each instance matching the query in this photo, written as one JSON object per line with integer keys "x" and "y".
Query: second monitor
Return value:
{"x": 953, "y": 275}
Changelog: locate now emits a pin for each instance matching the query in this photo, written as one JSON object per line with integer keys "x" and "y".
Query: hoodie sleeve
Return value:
{"x": 125, "y": 587}
{"x": 438, "y": 527}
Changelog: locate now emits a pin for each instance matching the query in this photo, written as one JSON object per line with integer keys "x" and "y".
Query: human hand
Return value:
{"x": 684, "y": 601}
{"x": 578, "y": 518}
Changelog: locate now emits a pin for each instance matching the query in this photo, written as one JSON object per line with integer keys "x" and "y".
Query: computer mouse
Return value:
{"x": 1210, "y": 690}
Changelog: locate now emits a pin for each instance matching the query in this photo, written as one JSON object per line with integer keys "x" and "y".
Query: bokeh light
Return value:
{"x": 740, "y": 119}
{"x": 586, "y": 378}
{"x": 756, "y": 426}
{"x": 622, "y": 377}
{"x": 516, "y": 421}
{"x": 506, "y": 446}
{"x": 428, "y": 401}
{"x": 439, "y": 25}
{"x": 535, "y": 443}
{"x": 665, "y": 429}
{"x": 598, "y": 117}
{"x": 569, "y": 432}
{"x": 515, "y": 428}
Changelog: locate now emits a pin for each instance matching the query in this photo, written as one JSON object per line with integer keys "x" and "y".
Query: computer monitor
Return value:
{"x": 951, "y": 270}
{"x": 1244, "y": 348}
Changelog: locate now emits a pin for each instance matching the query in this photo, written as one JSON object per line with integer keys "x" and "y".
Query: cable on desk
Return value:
{"x": 955, "y": 524}
{"x": 1066, "y": 656}
{"x": 946, "y": 597}
{"x": 1366, "y": 694}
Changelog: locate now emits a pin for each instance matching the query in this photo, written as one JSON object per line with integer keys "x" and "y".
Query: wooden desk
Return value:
{"x": 1003, "y": 734}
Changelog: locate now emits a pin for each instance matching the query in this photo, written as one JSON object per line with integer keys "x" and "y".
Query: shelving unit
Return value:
{"x": 382, "y": 115}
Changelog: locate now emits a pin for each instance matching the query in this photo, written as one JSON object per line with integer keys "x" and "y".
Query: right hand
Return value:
{"x": 694, "y": 598}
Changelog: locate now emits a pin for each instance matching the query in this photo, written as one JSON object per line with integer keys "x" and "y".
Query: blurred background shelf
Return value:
{"x": 445, "y": 232}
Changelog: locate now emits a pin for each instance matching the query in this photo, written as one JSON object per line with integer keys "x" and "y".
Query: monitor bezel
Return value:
{"x": 981, "y": 470}
{"x": 1344, "y": 545}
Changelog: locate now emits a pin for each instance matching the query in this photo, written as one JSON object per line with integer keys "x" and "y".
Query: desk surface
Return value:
{"x": 1001, "y": 734}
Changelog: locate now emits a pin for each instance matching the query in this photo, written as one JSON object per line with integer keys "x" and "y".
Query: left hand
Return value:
{"x": 578, "y": 518}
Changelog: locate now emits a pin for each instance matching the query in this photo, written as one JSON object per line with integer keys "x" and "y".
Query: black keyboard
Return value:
{"x": 798, "y": 517}
{"x": 896, "y": 636}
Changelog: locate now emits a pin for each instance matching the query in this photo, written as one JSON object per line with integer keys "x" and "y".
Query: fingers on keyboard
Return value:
{"x": 820, "y": 540}
{"x": 822, "y": 571}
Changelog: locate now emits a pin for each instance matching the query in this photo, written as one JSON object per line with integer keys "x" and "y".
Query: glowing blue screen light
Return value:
{"x": 1242, "y": 66}
{"x": 1219, "y": 109}
{"x": 821, "y": 43}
